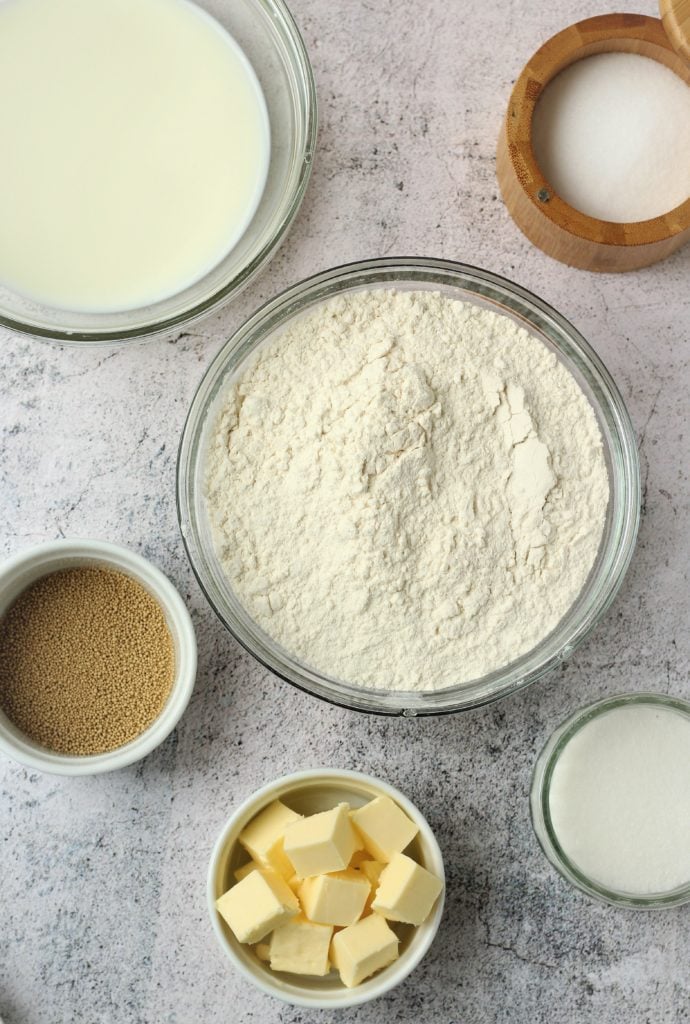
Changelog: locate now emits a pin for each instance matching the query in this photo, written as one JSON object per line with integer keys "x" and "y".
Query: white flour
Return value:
{"x": 406, "y": 491}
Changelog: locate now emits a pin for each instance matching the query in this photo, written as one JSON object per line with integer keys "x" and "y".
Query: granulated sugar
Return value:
{"x": 611, "y": 133}
{"x": 620, "y": 799}
{"x": 406, "y": 491}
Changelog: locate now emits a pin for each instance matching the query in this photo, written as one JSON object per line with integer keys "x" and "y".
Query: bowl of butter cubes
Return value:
{"x": 326, "y": 888}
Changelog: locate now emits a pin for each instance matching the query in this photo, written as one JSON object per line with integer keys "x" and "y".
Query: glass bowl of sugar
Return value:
{"x": 610, "y": 800}
{"x": 408, "y": 486}
{"x": 133, "y": 205}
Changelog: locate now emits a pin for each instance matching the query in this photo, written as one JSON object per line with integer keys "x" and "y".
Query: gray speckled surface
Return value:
{"x": 103, "y": 904}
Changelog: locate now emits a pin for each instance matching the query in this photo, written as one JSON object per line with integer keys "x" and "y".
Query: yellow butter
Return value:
{"x": 336, "y": 899}
{"x": 359, "y": 856}
{"x": 371, "y": 869}
{"x": 295, "y": 882}
{"x": 255, "y": 906}
{"x": 263, "y": 951}
{"x": 245, "y": 870}
{"x": 301, "y": 947}
{"x": 322, "y": 842}
{"x": 385, "y": 829}
{"x": 277, "y": 860}
{"x": 407, "y": 891}
{"x": 363, "y": 948}
{"x": 264, "y": 831}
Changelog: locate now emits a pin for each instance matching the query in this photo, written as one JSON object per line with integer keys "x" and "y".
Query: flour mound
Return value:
{"x": 406, "y": 491}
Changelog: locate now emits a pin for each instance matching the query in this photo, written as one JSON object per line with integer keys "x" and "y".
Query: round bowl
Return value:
{"x": 266, "y": 32}
{"x": 540, "y": 805}
{"x": 23, "y": 569}
{"x": 309, "y": 792}
{"x": 483, "y": 289}
{"x": 548, "y": 221}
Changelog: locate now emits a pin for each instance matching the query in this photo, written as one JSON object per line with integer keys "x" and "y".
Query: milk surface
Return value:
{"x": 135, "y": 145}
{"x": 620, "y": 799}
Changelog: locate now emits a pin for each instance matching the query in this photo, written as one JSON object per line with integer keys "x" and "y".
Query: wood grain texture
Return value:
{"x": 547, "y": 220}
{"x": 675, "y": 15}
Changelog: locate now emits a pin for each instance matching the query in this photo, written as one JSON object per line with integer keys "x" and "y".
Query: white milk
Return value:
{"x": 134, "y": 149}
{"x": 620, "y": 799}
{"x": 611, "y": 133}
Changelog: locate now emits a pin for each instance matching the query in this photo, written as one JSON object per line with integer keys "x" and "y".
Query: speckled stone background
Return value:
{"x": 103, "y": 917}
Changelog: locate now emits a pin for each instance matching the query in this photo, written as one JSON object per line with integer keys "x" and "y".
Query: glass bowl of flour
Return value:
{"x": 408, "y": 486}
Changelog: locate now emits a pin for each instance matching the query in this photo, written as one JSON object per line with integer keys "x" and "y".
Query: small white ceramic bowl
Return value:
{"x": 309, "y": 792}
{"x": 23, "y": 569}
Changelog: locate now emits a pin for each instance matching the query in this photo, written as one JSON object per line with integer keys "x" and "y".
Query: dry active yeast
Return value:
{"x": 87, "y": 660}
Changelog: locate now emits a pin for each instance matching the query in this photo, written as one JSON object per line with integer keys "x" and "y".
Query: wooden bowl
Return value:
{"x": 675, "y": 15}
{"x": 548, "y": 221}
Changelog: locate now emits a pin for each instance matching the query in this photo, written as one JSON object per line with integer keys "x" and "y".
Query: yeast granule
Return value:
{"x": 86, "y": 660}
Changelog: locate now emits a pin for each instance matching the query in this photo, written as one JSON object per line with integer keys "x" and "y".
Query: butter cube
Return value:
{"x": 295, "y": 882}
{"x": 262, "y": 833}
{"x": 255, "y": 906}
{"x": 243, "y": 871}
{"x": 359, "y": 856}
{"x": 301, "y": 947}
{"x": 363, "y": 948}
{"x": 276, "y": 859}
{"x": 385, "y": 829}
{"x": 322, "y": 842}
{"x": 336, "y": 899}
{"x": 371, "y": 869}
{"x": 263, "y": 951}
{"x": 406, "y": 891}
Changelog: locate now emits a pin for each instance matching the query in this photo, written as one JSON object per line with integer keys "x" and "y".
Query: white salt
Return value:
{"x": 611, "y": 133}
{"x": 620, "y": 799}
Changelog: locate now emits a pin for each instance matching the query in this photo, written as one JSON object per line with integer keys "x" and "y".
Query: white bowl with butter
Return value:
{"x": 309, "y": 793}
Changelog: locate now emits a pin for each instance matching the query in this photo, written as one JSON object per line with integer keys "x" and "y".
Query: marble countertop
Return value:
{"x": 103, "y": 879}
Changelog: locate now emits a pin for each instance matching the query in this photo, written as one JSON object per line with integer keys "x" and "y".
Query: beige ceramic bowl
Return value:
{"x": 309, "y": 792}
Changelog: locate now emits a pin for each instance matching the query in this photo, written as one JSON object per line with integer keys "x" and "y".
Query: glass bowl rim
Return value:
{"x": 381, "y": 272}
{"x": 280, "y": 15}
{"x": 539, "y": 802}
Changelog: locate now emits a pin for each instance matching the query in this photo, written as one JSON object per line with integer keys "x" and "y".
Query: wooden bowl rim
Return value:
{"x": 541, "y": 69}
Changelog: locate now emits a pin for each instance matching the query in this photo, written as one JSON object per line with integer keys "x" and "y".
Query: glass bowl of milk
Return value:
{"x": 155, "y": 153}
{"x": 610, "y": 800}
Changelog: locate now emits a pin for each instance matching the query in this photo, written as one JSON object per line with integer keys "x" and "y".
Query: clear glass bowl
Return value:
{"x": 267, "y": 34}
{"x": 540, "y": 804}
{"x": 484, "y": 289}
